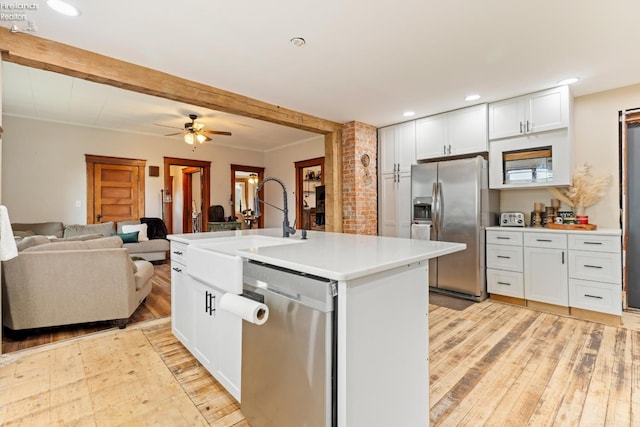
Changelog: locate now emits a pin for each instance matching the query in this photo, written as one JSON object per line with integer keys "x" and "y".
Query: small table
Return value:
{"x": 221, "y": 226}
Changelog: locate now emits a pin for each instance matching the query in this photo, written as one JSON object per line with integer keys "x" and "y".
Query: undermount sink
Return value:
{"x": 217, "y": 263}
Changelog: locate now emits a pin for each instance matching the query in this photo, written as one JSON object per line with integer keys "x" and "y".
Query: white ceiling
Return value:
{"x": 365, "y": 61}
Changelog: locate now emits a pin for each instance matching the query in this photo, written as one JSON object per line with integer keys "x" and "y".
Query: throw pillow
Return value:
{"x": 140, "y": 228}
{"x": 128, "y": 237}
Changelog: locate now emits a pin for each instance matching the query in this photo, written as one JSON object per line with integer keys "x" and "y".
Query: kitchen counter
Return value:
{"x": 600, "y": 231}
{"x": 335, "y": 256}
{"x": 381, "y": 333}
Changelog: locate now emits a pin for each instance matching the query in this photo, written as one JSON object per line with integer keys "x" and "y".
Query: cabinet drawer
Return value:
{"x": 506, "y": 283}
{"x": 545, "y": 240}
{"x": 499, "y": 237}
{"x": 594, "y": 243}
{"x": 595, "y": 296}
{"x": 598, "y": 266}
{"x": 179, "y": 252}
{"x": 503, "y": 257}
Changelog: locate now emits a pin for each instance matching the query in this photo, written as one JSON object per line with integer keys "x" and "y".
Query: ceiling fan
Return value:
{"x": 194, "y": 131}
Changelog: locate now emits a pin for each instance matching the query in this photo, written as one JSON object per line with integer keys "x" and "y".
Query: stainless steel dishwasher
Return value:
{"x": 288, "y": 363}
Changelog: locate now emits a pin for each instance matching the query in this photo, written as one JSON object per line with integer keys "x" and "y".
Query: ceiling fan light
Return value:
{"x": 198, "y": 126}
{"x": 201, "y": 138}
{"x": 188, "y": 138}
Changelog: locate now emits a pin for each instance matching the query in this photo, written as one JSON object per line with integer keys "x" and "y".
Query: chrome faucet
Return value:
{"x": 286, "y": 228}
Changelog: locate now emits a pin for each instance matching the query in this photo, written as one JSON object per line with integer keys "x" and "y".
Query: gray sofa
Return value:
{"x": 154, "y": 249}
{"x": 67, "y": 282}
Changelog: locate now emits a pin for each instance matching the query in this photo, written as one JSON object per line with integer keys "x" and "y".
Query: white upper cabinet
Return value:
{"x": 457, "y": 132}
{"x": 397, "y": 147}
{"x": 537, "y": 112}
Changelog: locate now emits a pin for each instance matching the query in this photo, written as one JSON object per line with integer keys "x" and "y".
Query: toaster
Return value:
{"x": 512, "y": 219}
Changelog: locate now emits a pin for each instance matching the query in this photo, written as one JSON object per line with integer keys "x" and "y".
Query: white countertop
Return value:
{"x": 601, "y": 231}
{"x": 336, "y": 256}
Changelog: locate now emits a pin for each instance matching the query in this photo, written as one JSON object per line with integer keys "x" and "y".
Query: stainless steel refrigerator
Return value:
{"x": 459, "y": 205}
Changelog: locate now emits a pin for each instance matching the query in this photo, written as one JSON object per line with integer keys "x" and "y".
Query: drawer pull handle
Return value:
{"x": 592, "y": 266}
{"x": 544, "y": 240}
{"x": 179, "y": 270}
{"x": 592, "y": 243}
{"x": 503, "y": 238}
{"x": 177, "y": 252}
{"x": 593, "y": 296}
{"x": 504, "y": 283}
{"x": 505, "y": 257}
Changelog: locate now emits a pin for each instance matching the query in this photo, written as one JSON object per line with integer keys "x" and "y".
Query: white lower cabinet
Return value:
{"x": 595, "y": 273}
{"x": 212, "y": 335}
{"x": 545, "y": 268}
{"x": 581, "y": 270}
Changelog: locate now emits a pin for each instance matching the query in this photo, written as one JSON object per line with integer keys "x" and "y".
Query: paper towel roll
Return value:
{"x": 421, "y": 231}
{"x": 245, "y": 308}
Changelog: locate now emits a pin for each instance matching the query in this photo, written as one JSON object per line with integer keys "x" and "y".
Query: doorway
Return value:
{"x": 198, "y": 174}
{"x": 310, "y": 194}
{"x": 630, "y": 203}
{"x": 244, "y": 181}
{"x": 115, "y": 189}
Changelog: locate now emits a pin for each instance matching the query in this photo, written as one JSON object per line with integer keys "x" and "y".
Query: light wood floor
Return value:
{"x": 490, "y": 364}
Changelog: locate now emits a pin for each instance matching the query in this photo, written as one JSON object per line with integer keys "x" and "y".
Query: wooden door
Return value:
{"x": 115, "y": 189}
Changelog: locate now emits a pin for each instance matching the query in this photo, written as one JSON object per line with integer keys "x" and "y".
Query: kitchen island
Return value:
{"x": 381, "y": 312}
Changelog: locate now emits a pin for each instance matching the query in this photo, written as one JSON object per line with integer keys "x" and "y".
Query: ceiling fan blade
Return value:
{"x": 215, "y": 132}
{"x": 166, "y": 126}
{"x": 177, "y": 133}
{"x": 207, "y": 139}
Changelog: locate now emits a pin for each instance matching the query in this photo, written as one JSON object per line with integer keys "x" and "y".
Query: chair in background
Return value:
{"x": 216, "y": 213}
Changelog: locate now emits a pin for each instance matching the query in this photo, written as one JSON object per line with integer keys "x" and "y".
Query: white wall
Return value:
{"x": 280, "y": 164}
{"x": 596, "y": 143}
{"x": 44, "y": 169}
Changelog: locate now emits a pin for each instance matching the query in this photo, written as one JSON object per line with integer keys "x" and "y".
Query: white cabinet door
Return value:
{"x": 405, "y": 142}
{"x": 387, "y": 149}
{"x": 545, "y": 275}
{"x": 537, "y": 112}
{"x": 548, "y": 110}
{"x": 387, "y": 219}
{"x": 468, "y": 130}
{"x": 403, "y": 205}
{"x": 182, "y": 324}
{"x": 204, "y": 307}
{"x": 506, "y": 118}
{"x": 432, "y": 137}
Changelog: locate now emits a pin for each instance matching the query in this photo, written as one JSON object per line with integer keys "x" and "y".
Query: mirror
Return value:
{"x": 244, "y": 181}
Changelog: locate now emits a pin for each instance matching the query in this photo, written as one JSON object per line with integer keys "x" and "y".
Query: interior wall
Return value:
{"x": 279, "y": 163}
{"x": 596, "y": 143}
{"x": 47, "y": 161}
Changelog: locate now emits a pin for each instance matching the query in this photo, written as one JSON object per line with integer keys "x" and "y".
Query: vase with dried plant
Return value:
{"x": 586, "y": 190}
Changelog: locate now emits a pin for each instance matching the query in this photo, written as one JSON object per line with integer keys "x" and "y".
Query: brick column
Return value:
{"x": 359, "y": 182}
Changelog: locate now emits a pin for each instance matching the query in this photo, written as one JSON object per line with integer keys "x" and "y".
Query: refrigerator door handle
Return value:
{"x": 434, "y": 198}
{"x": 440, "y": 212}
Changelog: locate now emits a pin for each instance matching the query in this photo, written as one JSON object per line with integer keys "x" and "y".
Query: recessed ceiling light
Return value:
{"x": 63, "y": 7}
{"x": 409, "y": 113}
{"x": 568, "y": 81}
{"x": 473, "y": 97}
{"x": 298, "y": 41}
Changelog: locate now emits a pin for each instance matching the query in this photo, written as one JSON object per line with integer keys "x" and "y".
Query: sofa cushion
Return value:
{"x": 128, "y": 237}
{"x": 102, "y": 243}
{"x": 140, "y": 228}
{"x": 40, "y": 228}
{"x": 105, "y": 228}
{"x": 31, "y": 241}
{"x": 23, "y": 234}
{"x": 155, "y": 245}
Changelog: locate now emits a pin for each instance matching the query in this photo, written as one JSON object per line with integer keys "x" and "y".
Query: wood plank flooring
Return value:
{"x": 491, "y": 364}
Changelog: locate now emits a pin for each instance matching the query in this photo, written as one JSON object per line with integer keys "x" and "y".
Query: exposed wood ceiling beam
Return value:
{"x": 36, "y": 52}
